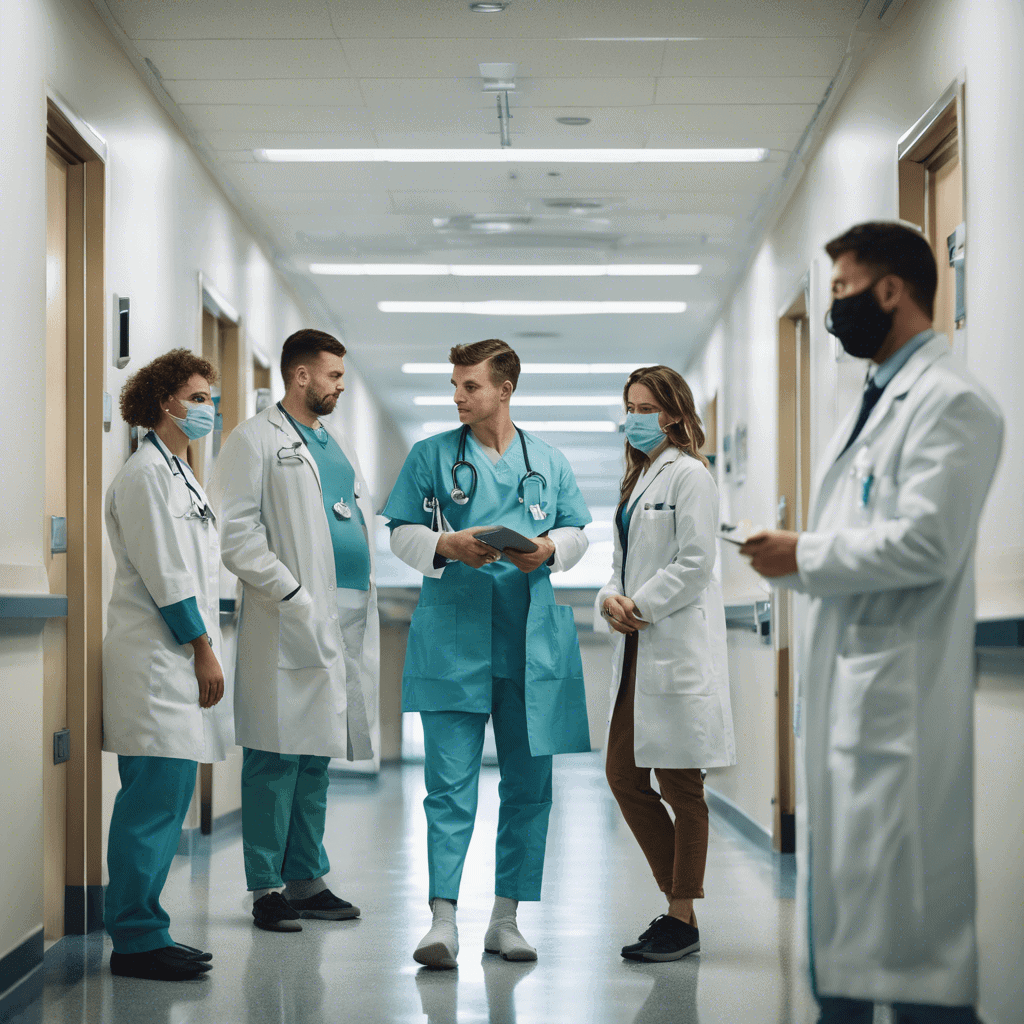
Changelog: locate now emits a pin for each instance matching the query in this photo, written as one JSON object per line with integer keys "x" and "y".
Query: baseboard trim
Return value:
{"x": 21, "y": 976}
{"x": 739, "y": 819}
{"x": 83, "y": 909}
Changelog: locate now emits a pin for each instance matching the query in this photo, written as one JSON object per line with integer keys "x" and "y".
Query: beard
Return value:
{"x": 318, "y": 403}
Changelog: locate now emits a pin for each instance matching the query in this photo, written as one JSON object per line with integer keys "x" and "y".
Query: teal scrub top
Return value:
{"x": 348, "y": 536}
{"x": 450, "y": 661}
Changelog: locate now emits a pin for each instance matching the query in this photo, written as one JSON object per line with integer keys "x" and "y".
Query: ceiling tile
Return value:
{"x": 287, "y": 203}
{"x": 223, "y": 19}
{"x": 746, "y": 119}
{"x": 537, "y": 58}
{"x": 231, "y": 117}
{"x": 736, "y": 58}
{"x": 308, "y": 92}
{"x": 250, "y": 140}
{"x": 246, "y": 58}
{"x": 740, "y": 90}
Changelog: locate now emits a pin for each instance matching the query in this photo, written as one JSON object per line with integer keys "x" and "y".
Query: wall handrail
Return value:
{"x": 33, "y": 606}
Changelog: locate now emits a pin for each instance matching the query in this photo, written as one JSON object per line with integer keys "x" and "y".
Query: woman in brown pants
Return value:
{"x": 670, "y": 688}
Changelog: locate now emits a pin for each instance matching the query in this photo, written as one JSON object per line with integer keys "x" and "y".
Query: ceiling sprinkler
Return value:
{"x": 501, "y": 80}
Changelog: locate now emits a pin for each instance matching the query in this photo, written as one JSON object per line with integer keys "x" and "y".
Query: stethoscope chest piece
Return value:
{"x": 459, "y": 496}
{"x": 342, "y": 510}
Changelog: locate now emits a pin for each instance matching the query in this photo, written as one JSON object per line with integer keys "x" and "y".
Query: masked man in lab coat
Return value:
{"x": 488, "y": 640}
{"x": 294, "y": 516}
{"x": 887, "y": 648}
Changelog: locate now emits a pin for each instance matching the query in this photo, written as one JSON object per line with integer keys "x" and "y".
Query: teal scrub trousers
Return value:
{"x": 453, "y": 746}
{"x": 284, "y": 812}
{"x": 144, "y": 829}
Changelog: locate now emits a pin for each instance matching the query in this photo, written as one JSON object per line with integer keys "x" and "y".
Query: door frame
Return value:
{"x": 86, "y": 153}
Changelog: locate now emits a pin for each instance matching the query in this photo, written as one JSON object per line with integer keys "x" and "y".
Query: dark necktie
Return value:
{"x": 872, "y": 393}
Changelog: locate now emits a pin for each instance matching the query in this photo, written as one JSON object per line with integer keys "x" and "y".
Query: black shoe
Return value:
{"x": 325, "y": 906}
{"x": 667, "y": 938}
{"x": 165, "y": 964}
{"x": 191, "y": 953}
{"x": 273, "y": 914}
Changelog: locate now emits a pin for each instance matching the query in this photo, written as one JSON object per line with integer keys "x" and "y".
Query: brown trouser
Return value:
{"x": 676, "y": 852}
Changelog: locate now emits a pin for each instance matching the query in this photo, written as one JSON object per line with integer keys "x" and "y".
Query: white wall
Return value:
{"x": 166, "y": 222}
{"x": 852, "y": 178}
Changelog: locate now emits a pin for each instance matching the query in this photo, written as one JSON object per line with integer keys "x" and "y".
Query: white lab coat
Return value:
{"x": 150, "y": 693}
{"x": 682, "y": 715}
{"x": 887, "y": 688}
{"x": 290, "y": 681}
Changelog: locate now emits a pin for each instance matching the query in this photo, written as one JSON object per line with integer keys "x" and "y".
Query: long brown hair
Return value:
{"x": 673, "y": 394}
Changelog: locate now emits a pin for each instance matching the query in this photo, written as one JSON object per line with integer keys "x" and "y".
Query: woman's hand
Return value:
{"x": 621, "y": 614}
{"x": 209, "y": 674}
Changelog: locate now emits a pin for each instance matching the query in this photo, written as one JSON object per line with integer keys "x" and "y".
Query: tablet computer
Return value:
{"x": 502, "y": 538}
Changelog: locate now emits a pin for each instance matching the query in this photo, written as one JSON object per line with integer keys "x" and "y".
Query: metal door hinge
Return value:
{"x": 61, "y": 746}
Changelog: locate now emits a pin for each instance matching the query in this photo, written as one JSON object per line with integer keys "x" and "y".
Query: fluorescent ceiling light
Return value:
{"x": 513, "y": 156}
{"x": 526, "y": 307}
{"x": 601, "y": 401}
{"x": 567, "y": 368}
{"x": 539, "y": 426}
{"x": 506, "y": 269}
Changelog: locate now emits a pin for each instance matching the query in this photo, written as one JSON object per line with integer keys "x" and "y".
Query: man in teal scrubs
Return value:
{"x": 487, "y": 638}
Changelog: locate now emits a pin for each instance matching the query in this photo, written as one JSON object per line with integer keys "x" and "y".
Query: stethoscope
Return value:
{"x": 292, "y": 451}
{"x": 202, "y": 512}
{"x": 461, "y": 497}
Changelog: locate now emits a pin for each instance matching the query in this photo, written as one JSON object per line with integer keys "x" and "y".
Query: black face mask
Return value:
{"x": 859, "y": 322}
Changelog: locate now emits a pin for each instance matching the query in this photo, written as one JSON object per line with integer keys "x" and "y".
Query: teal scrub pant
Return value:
{"x": 144, "y": 829}
{"x": 453, "y": 747}
{"x": 284, "y": 811}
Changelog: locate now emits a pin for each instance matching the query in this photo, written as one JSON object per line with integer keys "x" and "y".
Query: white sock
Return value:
{"x": 258, "y": 894}
{"x": 440, "y": 946}
{"x": 303, "y": 888}
{"x": 503, "y": 935}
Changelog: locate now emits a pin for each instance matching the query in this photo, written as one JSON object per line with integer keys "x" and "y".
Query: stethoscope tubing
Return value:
{"x": 203, "y": 512}
{"x": 461, "y": 461}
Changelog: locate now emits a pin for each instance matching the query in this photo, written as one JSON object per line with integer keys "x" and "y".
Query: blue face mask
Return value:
{"x": 642, "y": 431}
{"x": 198, "y": 421}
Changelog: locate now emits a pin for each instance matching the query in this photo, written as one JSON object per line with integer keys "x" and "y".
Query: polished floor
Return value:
{"x": 597, "y": 896}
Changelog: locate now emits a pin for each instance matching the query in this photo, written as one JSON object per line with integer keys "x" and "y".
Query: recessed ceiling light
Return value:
{"x": 513, "y": 156}
{"x": 488, "y": 6}
{"x": 506, "y": 269}
{"x": 574, "y": 121}
{"x": 550, "y": 368}
{"x": 538, "y": 334}
{"x": 600, "y": 401}
{"x": 526, "y": 307}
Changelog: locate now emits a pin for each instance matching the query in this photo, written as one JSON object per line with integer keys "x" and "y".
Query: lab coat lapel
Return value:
{"x": 662, "y": 462}
{"x": 284, "y": 425}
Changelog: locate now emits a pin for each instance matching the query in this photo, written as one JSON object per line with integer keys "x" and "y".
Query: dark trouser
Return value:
{"x": 838, "y": 1010}
{"x": 677, "y": 853}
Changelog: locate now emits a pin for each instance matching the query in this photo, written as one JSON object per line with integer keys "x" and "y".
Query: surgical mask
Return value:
{"x": 860, "y": 323}
{"x": 198, "y": 421}
{"x": 642, "y": 431}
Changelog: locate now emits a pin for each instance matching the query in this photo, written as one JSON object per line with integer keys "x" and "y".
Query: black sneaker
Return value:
{"x": 667, "y": 938}
{"x": 273, "y": 914}
{"x": 165, "y": 964}
{"x": 325, "y": 906}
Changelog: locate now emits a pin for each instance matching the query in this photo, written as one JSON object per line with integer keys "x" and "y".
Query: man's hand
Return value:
{"x": 209, "y": 674}
{"x": 621, "y": 614}
{"x": 527, "y": 562}
{"x": 772, "y": 553}
{"x": 464, "y": 547}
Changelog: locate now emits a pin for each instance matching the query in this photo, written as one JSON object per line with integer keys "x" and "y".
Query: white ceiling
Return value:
{"x": 251, "y": 74}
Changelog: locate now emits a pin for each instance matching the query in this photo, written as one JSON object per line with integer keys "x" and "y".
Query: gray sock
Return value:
{"x": 303, "y": 888}
{"x": 258, "y": 894}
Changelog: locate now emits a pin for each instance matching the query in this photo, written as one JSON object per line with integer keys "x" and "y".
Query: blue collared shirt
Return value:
{"x": 900, "y": 357}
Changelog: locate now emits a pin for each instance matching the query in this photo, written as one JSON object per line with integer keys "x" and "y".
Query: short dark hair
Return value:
{"x": 303, "y": 345}
{"x": 504, "y": 362}
{"x": 164, "y": 376}
{"x": 888, "y": 247}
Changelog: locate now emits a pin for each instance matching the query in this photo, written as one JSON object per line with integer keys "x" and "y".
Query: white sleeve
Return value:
{"x": 416, "y": 545}
{"x": 571, "y": 545}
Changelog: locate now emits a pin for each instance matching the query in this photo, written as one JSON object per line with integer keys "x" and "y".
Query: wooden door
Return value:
{"x": 55, "y": 653}
{"x": 945, "y": 213}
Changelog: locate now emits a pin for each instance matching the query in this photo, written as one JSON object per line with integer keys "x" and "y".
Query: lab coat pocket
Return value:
{"x": 874, "y": 691}
{"x": 674, "y": 655}
{"x": 297, "y": 646}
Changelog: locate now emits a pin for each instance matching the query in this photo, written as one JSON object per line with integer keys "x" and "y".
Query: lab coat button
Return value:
{"x": 334, "y": 615}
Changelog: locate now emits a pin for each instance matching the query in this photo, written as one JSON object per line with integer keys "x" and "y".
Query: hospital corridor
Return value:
{"x": 512, "y": 512}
